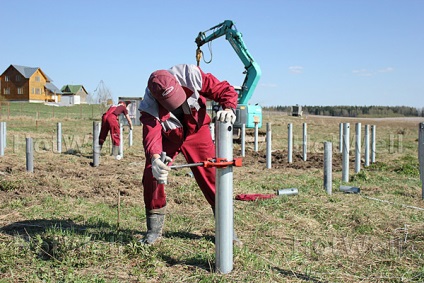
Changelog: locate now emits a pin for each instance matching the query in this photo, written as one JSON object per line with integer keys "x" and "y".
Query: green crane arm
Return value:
{"x": 253, "y": 71}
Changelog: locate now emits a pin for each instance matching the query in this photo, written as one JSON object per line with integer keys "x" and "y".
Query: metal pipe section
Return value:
{"x": 400, "y": 144}
{"x": 59, "y": 137}
{"x": 421, "y": 155}
{"x": 391, "y": 143}
{"x": 287, "y": 192}
{"x": 29, "y": 155}
{"x": 162, "y": 158}
{"x": 96, "y": 146}
{"x": 341, "y": 137}
{"x": 212, "y": 130}
{"x": 357, "y": 147}
{"x": 130, "y": 138}
{"x": 345, "y": 154}
{"x": 4, "y": 135}
{"x": 328, "y": 167}
{"x": 290, "y": 142}
{"x": 305, "y": 141}
{"x": 2, "y": 138}
{"x": 367, "y": 146}
{"x": 256, "y": 137}
{"x": 121, "y": 144}
{"x": 224, "y": 226}
{"x": 350, "y": 190}
{"x": 184, "y": 165}
{"x": 243, "y": 140}
{"x": 373, "y": 138}
{"x": 268, "y": 145}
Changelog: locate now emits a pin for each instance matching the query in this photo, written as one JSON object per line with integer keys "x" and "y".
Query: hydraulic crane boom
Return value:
{"x": 252, "y": 69}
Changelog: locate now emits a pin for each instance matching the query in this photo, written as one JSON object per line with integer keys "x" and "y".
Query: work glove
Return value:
{"x": 226, "y": 115}
{"x": 160, "y": 169}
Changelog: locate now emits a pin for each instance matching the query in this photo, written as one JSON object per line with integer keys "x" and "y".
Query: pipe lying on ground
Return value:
{"x": 287, "y": 192}
{"x": 350, "y": 190}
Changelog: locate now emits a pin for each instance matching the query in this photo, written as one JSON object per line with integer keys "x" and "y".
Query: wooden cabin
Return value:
{"x": 22, "y": 83}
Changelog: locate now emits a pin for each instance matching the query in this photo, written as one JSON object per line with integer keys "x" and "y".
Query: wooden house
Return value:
{"x": 73, "y": 94}
{"x": 22, "y": 83}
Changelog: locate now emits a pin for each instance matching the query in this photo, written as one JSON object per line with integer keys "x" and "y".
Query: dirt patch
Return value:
{"x": 72, "y": 175}
{"x": 279, "y": 160}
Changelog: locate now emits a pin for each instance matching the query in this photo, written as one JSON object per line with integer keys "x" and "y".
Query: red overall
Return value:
{"x": 194, "y": 141}
{"x": 110, "y": 123}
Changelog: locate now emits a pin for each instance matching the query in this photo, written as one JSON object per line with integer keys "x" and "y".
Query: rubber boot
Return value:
{"x": 154, "y": 220}
{"x": 115, "y": 150}
{"x": 236, "y": 240}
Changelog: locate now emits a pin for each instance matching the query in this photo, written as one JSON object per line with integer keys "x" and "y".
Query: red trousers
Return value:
{"x": 197, "y": 147}
{"x": 110, "y": 123}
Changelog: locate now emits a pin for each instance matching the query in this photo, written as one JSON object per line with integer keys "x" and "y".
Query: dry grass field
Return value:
{"x": 70, "y": 222}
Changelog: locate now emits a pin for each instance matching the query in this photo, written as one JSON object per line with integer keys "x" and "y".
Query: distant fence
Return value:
{"x": 44, "y": 111}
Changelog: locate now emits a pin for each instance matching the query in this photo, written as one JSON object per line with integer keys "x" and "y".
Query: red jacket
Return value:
{"x": 116, "y": 110}
{"x": 199, "y": 86}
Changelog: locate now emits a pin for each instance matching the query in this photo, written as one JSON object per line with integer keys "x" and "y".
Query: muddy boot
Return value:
{"x": 155, "y": 220}
{"x": 115, "y": 150}
{"x": 100, "y": 149}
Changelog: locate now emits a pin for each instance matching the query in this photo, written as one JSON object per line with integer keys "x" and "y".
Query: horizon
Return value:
{"x": 325, "y": 52}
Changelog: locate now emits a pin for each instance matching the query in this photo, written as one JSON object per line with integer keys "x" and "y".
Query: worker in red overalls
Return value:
{"x": 110, "y": 123}
{"x": 174, "y": 117}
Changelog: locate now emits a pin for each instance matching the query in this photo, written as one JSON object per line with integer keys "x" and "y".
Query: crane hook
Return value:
{"x": 198, "y": 56}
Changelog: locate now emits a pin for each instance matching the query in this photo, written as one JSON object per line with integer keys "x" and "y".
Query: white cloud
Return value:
{"x": 386, "y": 70}
{"x": 362, "y": 73}
{"x": 296, "y": 69}
{"x": 368, "y": 73}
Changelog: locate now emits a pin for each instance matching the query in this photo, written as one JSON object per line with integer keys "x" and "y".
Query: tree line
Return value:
{"x": 355, "y": 111}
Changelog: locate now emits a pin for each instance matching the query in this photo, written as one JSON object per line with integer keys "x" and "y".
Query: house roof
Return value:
{"x": 72, "y": 89}
{"x": 27, "y": 72}
{"x": 53, "y": 88}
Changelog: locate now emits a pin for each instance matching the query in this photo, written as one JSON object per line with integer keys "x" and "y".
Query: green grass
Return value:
{"x": 61, "y": 224}
{"x": 40, "y": 111}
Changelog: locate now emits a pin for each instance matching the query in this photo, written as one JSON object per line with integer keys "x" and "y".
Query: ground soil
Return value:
{"x": 71, "y": 173}
{"x": 91, "y": 182}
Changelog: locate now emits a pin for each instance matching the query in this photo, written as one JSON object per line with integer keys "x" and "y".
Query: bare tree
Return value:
{"x": 102, "y": 96}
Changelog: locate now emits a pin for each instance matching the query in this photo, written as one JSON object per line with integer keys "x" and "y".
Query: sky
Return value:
{"x": 311, "y": 52}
